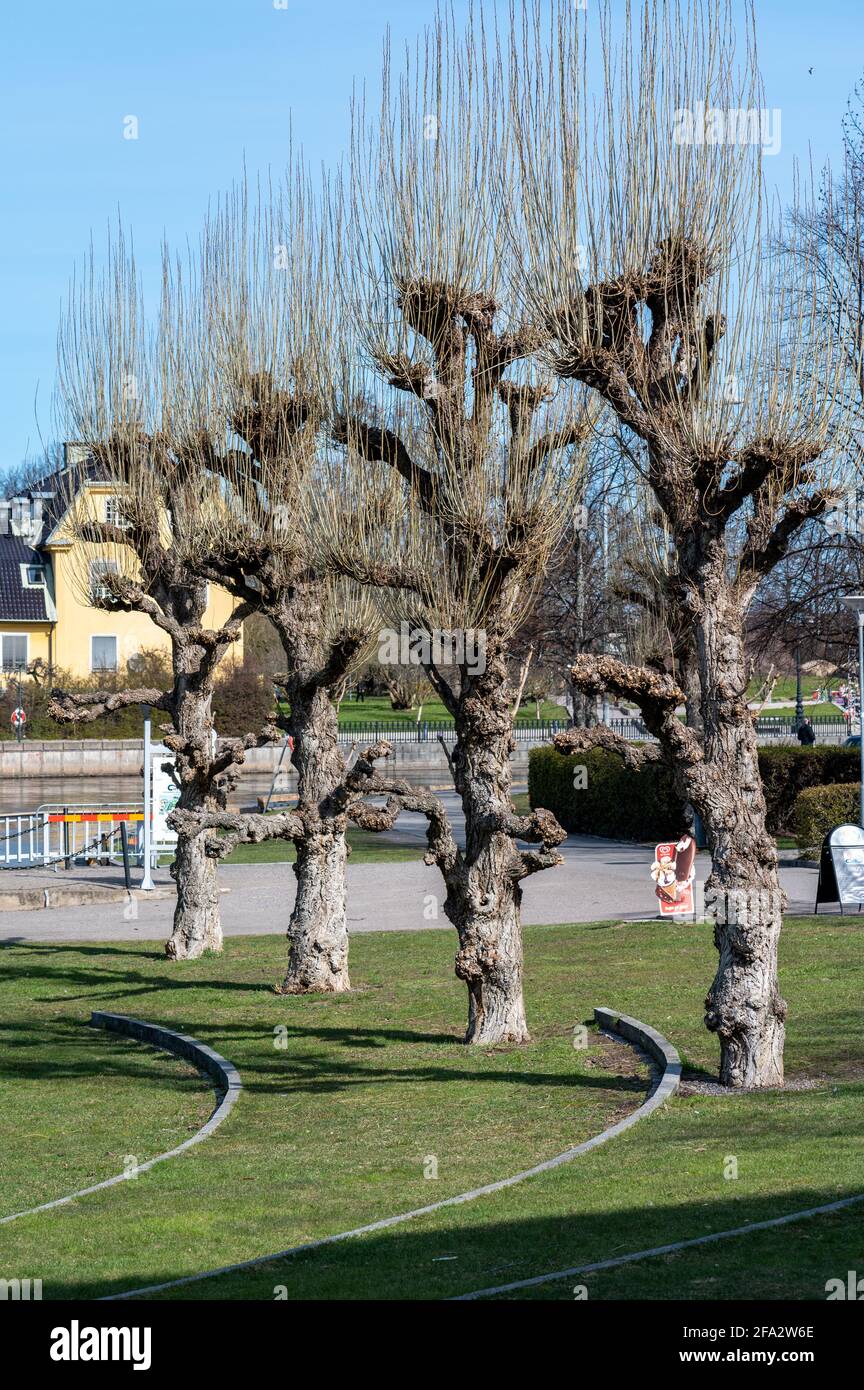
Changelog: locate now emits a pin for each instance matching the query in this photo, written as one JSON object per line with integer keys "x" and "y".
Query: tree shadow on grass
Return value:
{"x": 487, "y": 1243}
{"x": 273, "y": 1071}
{"x": 132, "y": 982}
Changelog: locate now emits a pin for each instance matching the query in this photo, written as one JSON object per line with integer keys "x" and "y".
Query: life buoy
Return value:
{"x": 19, "y": 718}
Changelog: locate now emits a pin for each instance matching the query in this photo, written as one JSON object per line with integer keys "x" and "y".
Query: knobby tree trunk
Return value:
{"x": 483, "y": 892}
{"x": 318, "y": 930}
{"x": 743, "y": 895}
{"x": 197, "y": 925}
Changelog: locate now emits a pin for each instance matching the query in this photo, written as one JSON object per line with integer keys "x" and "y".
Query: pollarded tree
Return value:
{"x": 118, "y": 399}
{"x": 644, "y": 230}
{"x": 256, "y": 318}
{"x": 451, "y": 408}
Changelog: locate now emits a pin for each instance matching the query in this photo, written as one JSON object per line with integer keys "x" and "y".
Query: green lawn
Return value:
{"x": 785, "y": 687}
{"x": 366, "y": 848}
{"x": 376, "y": 709}
{"x": 335, "y": 1130}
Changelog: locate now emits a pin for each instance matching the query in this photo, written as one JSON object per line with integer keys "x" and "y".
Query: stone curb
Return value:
{"x": 790, "y": 1219}
{"x": 35, "y": 899}
{"x": 221, "y": 1071}
{"x": 654, "y": 1043}
{"x": 620, "y": 1024}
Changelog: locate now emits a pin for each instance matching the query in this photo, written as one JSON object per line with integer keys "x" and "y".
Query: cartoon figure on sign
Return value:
{"x": 673, "y": 871}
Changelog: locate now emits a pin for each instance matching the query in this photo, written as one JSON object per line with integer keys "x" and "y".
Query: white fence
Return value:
{"x": 55, "y": 835}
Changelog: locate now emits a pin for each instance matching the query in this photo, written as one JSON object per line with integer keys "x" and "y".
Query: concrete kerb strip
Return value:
{"x": 656, "y": 1045}
{"x": 83, "y": 895}
{"x": 672, "y": 1249}
{"x": 220, "y": 1070}
{"x": 629, "y": 1028}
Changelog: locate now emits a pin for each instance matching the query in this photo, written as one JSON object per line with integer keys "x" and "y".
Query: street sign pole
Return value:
{"x": 147, "y": 880}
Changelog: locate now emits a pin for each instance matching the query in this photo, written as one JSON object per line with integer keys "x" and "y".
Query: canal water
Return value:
{"x": 19, "y": 794}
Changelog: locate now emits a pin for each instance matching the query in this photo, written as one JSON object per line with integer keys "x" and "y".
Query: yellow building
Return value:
{"x": 44, "y": 610}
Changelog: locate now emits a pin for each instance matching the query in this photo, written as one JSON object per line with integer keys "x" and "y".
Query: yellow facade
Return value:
{"x": 68, "y": 644}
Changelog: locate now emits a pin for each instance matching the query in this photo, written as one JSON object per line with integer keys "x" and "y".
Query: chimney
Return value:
{"x": 22, "y": 517}
{"x": 75, "y": 454}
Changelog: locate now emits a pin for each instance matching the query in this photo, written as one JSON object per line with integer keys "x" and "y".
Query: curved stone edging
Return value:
{"x": 223, "y": 1072}
{"x": 628, "y": 1028}
{"x": 789, "y": 1219}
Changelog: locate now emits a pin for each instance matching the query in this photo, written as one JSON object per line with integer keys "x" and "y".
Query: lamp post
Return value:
{"x": 799, "y": 702}
{"x": 855, "y": 604}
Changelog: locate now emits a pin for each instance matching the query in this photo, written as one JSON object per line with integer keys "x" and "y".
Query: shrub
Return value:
{"x": 615, "y": 801}
{"x": 786, "y": 772}
{"x": 819, "y": 809}
{"x": 243, "y": 701}
{"x": 642, "y": 805}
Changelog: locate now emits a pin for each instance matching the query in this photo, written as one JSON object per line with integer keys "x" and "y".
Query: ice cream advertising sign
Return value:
{"x": 673, "y": 872}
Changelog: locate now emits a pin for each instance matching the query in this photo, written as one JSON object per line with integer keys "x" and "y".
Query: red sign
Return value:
{"x": 673, "y": 871}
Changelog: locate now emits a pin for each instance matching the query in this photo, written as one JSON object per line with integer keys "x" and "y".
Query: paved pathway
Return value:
{"x": 599, "y": 880}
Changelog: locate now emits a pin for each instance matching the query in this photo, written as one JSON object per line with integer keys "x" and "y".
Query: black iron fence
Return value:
{"x": 827, "y": 728}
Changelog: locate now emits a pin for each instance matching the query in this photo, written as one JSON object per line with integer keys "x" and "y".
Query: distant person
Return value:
{"x": 806, "y": 736}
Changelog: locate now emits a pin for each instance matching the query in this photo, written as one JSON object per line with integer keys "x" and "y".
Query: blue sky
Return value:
{"x": 214, "y": 82}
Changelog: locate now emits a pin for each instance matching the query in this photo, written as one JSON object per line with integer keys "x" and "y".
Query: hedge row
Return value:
{"x": 819, "y": 809}
{"x": 611, "y": 800}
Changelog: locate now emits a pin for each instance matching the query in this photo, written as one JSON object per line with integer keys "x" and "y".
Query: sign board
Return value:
{"x": 165, "y": 794}
{"x": 673, "y": 871}
{"x": 841, "y": 867}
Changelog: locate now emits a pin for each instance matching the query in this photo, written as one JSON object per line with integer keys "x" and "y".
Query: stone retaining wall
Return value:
{"x": 124, "y": 758}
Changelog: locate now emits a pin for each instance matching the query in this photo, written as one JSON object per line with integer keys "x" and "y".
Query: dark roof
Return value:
{"x": 18, "y": 604}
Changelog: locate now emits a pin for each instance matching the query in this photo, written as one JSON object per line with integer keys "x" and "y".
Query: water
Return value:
{"x": 27, "y": 793}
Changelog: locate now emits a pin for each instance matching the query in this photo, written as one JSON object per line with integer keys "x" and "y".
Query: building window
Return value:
{"x": 14, "y": 651}
{"x": 100, "y": 593}
{"x": 34, "y": 576}
{"x": 103, "y": 653}
{"x": 114, "y": 512}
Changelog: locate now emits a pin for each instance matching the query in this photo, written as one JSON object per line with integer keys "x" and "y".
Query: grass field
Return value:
{"x": 336, "y": 1129}
{"x": 820, "y": 711}
{"x": 366, "y": 848}
{"x": 785, "y": 687}
{"x": 376, "y": 709}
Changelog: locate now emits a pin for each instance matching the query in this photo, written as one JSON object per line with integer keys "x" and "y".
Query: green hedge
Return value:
{"x": 786, "y": 772}
{"x": 616, "y": 801}
{"x": 624, "y": 804}
{"x": 819, "y": 809}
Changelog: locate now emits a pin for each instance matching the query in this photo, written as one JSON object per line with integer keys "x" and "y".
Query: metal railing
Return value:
{"x": 56, "y": 834}
{"x": 788, "y": 725}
